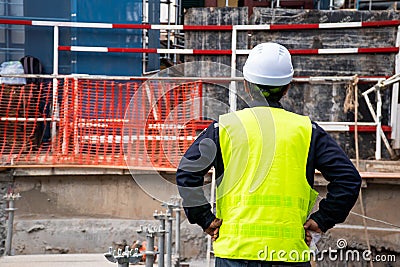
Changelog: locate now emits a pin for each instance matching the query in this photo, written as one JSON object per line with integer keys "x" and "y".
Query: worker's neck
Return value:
{"x": 265, "y": 103}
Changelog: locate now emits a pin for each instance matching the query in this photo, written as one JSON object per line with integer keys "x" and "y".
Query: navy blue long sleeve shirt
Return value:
{"x": 324, "y": 155}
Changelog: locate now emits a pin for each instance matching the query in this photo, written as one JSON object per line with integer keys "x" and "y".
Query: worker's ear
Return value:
{"x": 246, "y": 86}
{"x": 285, "y": 90}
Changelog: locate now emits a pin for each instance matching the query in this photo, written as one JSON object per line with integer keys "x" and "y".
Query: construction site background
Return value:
{"x": 84, "y": 209}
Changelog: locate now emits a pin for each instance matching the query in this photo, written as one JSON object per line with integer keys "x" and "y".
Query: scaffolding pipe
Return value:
{"x": 378, "y": 150}
{"x": 169, "y": 23}
{"x": 310, "y": 79}
{"x": 395, "y": 96}
{"x": 176, "y": 31}
{"x": 232, "y": 86}
{"x": 177, "y": 234}
{"x": 381, "y": 133}
{"x": 55, "y": 113}
{"x": 169, "y": 237}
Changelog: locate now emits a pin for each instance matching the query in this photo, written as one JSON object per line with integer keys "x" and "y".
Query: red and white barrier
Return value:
{"x": 226, "y": 51}
{"x": 271, "y": 27}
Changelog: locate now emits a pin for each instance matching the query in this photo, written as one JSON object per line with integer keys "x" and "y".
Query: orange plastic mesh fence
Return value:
{"x": 99, "y": 123}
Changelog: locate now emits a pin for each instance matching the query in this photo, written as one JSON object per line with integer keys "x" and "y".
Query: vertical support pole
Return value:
{"x": 150, "y": 249}
{"x": 232, "y": 85}
{"x": 169, "y": 236}
{"x": 169, "y": 23}
{"x": 144, "y": 20}
{"x": 75, "y": 99}
{"x": 177, "y": 234}
{"x": 65, "y": 119}
{"x": 161, "y": 244}
{"x": 378, "y": 150}
{"x": 330, "y": 4}
{"x": 10, "y": 198}
{"x": 10, "y": 223}
{"x": 395, "y": 99}
{"x": 161, "y": 237}
{"x": 212, "y": 200}
{"x": 55, "y": 112}
{"x": 176, "y": 31}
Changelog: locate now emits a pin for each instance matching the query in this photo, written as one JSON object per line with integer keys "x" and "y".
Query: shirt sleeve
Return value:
{"x": 194, "y": 165}
{"x": 344, "y": 180}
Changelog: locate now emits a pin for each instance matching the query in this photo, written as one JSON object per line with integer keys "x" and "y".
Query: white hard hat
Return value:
{"x": 269, "y": 64}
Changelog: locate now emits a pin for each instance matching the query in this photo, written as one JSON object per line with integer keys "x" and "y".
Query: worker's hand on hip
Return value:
{"x": 310, "y": 225}
{"x": 213, "y": 229}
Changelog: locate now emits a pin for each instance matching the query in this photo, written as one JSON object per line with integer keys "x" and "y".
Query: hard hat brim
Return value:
{"x": 273, "y": 81}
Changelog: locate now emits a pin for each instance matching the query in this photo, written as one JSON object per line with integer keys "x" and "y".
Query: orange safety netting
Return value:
{"x": 99, "y": 123}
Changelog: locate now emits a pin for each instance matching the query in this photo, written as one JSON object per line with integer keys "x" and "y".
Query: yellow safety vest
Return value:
{"x": 264, "y": 197}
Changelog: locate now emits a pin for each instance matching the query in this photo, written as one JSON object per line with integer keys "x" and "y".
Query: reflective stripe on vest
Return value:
{"x": 264, "y": 197}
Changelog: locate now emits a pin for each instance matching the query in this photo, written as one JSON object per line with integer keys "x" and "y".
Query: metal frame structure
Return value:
{"x": 233, "y": 52}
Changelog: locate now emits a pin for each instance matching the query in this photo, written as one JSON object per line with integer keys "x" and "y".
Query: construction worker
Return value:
{"x": 265, "y": 159}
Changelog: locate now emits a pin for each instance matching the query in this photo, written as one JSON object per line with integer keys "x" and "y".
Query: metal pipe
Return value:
{"x": 169, "y": 236}
{"x": 232, "y": 86}
{"x": 161, "y": 239}
{"x": 161, "y": 244}
{"x": 144, "y": 36}
{"x": 55, "y": 112}
{"x": 177, "y": 21}
{"x": 378, "y": 151}
{"x": 395, "y": 96}
{"x": 374, "y": 117}
{"x": 10, "y": 224}
{"x": 169, "y": 23}
{"x": 212, "y": 200}
{"x": 311, "y": 79}
{"x": 150, "y": 249}
{"x": 177, "y": 234}
{"x": 10, "y": 198}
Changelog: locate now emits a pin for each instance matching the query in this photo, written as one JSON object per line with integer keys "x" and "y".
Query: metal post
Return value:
{"x": 395, "y": 98}
{"x": 212, "y": 200}
{"x": 169, "y": 23}
{"x": 55, "y": 113}
{"x": 150, "y": 248}
{"x": 169, "y": 236}
{"x": 177, "y": 22}
{"x": 232, "y": 85}
{"x": 144, "y": 20}
{"x": 378, "y": 152}
{"x": 10, "y": 198}
{"x": 161, "y": 239}
{"x": 177, "y": 234}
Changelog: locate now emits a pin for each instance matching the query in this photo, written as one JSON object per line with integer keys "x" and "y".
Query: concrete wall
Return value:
{"x": 83, "y": 196}
{"x": 87, "y": 214}
{"x": 6, "y": 182}
{"x": 320, "y": 101}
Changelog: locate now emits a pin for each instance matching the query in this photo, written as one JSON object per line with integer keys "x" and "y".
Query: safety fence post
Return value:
{"x": 10, "y": 199}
